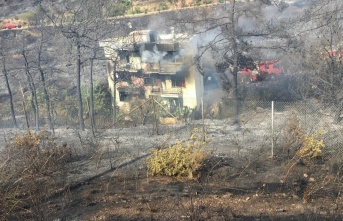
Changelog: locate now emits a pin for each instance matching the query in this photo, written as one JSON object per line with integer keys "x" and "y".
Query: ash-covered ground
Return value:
{"x": 245, "y": 136}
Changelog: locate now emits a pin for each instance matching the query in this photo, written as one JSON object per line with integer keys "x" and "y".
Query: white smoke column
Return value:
{"x": 154, "y": 56}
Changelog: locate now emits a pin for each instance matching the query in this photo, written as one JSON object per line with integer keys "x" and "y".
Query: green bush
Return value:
{"x": 182, "y": 159}
{"x": 163, "y": 6}
{"x": 137, "y": 10}
{"x": 118, "y": 9}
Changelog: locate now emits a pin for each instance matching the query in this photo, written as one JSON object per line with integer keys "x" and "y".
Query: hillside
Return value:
{"x": 14, "y": 10}
{"x": 259, "y": 159}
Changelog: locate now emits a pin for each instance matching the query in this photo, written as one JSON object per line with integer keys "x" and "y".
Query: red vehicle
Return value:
{"x": 264, "y": 70}
{"x": 10, "y": 26}
{"x": 270, "y": 68}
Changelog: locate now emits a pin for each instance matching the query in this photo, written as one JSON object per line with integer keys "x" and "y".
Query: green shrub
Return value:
{"x": 163, "y": 6}
{"x": 137, "y": 10}
{"x": 182, "y": 159}
{"x": 27, "y": 16}
{"x": 118, "y": 9}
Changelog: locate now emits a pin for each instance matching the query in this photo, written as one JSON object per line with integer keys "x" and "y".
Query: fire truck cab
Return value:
{"x": 264, "y": 70}
{"x": 10, "y": 26}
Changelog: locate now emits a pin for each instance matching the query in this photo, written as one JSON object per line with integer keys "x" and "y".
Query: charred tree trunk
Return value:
{"x": 78, "y": 83}
{"x": 235, "y": 58}
{"x": 4, "y": 71}
{"x": 91, "y": 97}
{"x": 46, "y": 94}
{"x": 34, "y": 102}
{"x": 47, "y": 100}
{"x": 235, "y": 76}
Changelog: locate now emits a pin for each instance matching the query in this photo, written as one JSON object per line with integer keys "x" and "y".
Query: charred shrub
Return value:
{"x": 294, "y": 135}
{"x": 32, "y": 169}
{"x": 303, "y": 168}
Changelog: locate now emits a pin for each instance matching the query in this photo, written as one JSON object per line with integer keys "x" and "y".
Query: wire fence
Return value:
{"x": 233, "y": 127}
{"x": 272, "y": 125}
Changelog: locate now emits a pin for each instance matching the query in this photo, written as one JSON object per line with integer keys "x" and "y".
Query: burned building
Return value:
{"x": 146, "y": 63}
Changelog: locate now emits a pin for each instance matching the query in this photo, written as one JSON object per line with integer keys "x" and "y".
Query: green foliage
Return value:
{"x": 102, "y": 99}
{"x": 184, "y": 113}
{"x": 163, "y": 6}
{"x": 118, "y": 9}
{"x": 182, "y": 159}
{"x": 137, "y": 10}
{"x": 63, "y": 102}
{"x": 126, "y": 3}
{"x": 34, "y": 17}
{"x": 27, "y": 16}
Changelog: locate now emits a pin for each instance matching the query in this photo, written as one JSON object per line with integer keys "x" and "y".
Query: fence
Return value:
{"x": 234, "y": 128}
{"x": 269, "y": 125}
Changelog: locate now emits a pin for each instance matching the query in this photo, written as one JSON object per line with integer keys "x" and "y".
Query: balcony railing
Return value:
{"x": 129, "y": 89}
{"x": 162, "y": 68}
{"x": 170, "y": 91}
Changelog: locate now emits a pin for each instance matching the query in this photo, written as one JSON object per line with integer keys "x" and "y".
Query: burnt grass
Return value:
{"x": 224, "y": 189}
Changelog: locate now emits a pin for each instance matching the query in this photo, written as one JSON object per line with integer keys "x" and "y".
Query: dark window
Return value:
{"x": 122, "y": 55}
{"x": 152, "y": 37}
{"x": 123, "y": 96}
{"x": 178, "y": 81}
{"x": 148, "y": 81}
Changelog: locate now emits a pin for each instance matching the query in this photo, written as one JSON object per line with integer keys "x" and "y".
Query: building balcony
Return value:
{"x": 162, "y": 68}
{"x": 170, "y": 92}
{"x": 129, "y": 89}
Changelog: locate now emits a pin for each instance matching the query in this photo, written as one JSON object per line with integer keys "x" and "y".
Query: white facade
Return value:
{"x": 146, "y": 64}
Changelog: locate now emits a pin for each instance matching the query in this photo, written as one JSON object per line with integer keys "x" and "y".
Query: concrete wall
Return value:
{"x": 194, "y": 90}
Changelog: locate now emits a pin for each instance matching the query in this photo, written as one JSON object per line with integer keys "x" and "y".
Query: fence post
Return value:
{"x": 202, "y": 117}
{"x": 155, "y": 117}
{"x": 272, "y": 129}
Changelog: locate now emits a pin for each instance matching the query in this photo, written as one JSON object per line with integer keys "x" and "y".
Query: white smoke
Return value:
{"x": 153, "y": 56}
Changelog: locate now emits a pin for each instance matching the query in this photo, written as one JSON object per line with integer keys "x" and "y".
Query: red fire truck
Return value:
{"x": 264, "y": 70}
{"x": 11, "y": 25}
